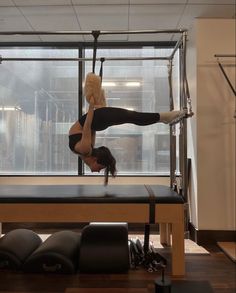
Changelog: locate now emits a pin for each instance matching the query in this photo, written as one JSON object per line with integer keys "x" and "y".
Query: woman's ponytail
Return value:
{"x": 105, "y": 157}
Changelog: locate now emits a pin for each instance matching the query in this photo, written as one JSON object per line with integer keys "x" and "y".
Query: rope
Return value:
{"x": 169, "y": 66}
{"x": 227, "y": 79}
{"x": 95, "y": 36}
{"x": 101, "y": 68}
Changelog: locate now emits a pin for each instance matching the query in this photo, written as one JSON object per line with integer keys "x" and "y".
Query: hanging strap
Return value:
{"x": 152, "y": 217}
{"x": 95, "y": 36}
{"x": 171, "y": 100}
{"x": 227, "y": 78}
{"x": 101, "y": 68}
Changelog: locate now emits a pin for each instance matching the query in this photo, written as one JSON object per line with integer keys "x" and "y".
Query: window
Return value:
{"x": 39, "y": 100}
{"x": 38, "y": 103}
{"x": 140, "y": 86}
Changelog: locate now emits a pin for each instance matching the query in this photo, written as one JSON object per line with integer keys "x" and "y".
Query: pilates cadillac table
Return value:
{"x": 96, "y": 203}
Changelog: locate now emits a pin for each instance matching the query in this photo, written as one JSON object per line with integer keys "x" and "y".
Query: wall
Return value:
{"x": 213, "y": 128}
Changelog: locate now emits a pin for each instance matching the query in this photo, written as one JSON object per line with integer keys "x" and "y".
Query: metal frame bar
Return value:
{"x": 178, "y": 44}
{"x": 184, "y": 122}
{"x": 81, "y": 59}
{"x": 182, "y": 144}
{"x": 80, "y": 100}
{"x": 115, "y": 32}
{"x": 172, "y": 129}
{"x": 181, "y": 43}
{"x": 170, "y": 57}
{"x": 224, "y": 55}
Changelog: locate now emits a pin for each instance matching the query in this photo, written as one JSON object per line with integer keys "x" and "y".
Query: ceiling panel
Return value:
{"x": 155, "y": 17}
{"x": 148, "y": 2}
{"x": 6, "y": 3}
{"x": 100, "y": 2}
{"x": 205, "y": 2}
{"x": 54, "y": 15}
{"x": 41, "y": 2}
{"x": 52, "y": 18}
{"x": 11, "y": 20}
{"x": 104, "y": 17}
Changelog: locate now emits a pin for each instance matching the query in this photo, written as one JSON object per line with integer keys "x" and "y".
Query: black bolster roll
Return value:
{"x": 104, "y": 248}
{"x": 16, "y": 246}
{"x": 57, "y": 254}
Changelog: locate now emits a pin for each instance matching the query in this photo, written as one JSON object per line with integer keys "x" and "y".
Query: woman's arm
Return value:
{"x": 84, "y": 146}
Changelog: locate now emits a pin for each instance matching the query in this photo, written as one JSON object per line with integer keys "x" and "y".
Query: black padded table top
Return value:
{"x": 87, "y": 194}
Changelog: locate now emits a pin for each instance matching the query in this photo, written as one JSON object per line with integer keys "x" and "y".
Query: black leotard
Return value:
{"x": 109, "y": 116}
{"x": 73, "y": 139}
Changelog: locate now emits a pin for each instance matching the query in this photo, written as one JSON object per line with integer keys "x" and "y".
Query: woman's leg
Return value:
{"x": 109, "y": 116}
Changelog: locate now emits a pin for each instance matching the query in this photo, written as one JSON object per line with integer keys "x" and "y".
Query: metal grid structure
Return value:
{"x": 179, "y": 182}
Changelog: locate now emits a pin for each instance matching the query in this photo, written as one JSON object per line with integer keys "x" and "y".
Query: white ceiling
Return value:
{"x": 58, "y": 15}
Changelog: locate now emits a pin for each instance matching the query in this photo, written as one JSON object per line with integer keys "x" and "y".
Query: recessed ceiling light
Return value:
{"x": 133, "y": 83}
{"x": 9, "y": 108}
{"x": 108, "y": 83}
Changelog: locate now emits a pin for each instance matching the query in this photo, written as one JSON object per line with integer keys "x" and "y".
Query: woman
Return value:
{"x": 82, "y": 133}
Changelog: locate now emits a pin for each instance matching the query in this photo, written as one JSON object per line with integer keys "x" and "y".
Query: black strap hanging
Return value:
{"x": 227, "y": 78}
{"x": 101, "y": 68}
{"x": 95, "y": 35}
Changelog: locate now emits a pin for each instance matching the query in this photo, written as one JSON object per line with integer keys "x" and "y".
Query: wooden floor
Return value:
{"x": 214, "y": 268}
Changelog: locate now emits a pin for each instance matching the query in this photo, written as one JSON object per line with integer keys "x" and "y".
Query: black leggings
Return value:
{"x": 109, "y": 116}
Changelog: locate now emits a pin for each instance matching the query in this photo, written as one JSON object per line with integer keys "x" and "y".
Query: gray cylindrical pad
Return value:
{"x": 57, "y": 254}
{"x": 16, "y": 246}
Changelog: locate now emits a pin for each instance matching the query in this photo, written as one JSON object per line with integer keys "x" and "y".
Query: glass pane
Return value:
{"x": 141, "y": 86}
{"x": 38, "y": 104}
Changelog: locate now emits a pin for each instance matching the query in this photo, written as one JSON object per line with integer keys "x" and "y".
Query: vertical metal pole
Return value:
{"x": 63, "y": 161}
{"x": 184, "y": 122}
{"x": 172, "y": 156}
{"x": 180, "y": 104}
{"x": 172, "y": 130}
{"x": 56, "y": 144}
{"x": 181, "y": 130}
{"x": 47, "y": 141}
{"x": 36, "y": 130}
{"x": 80, "y": 98}
{"x": 183, "y": 168}
{"x": 50, "y": 136}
